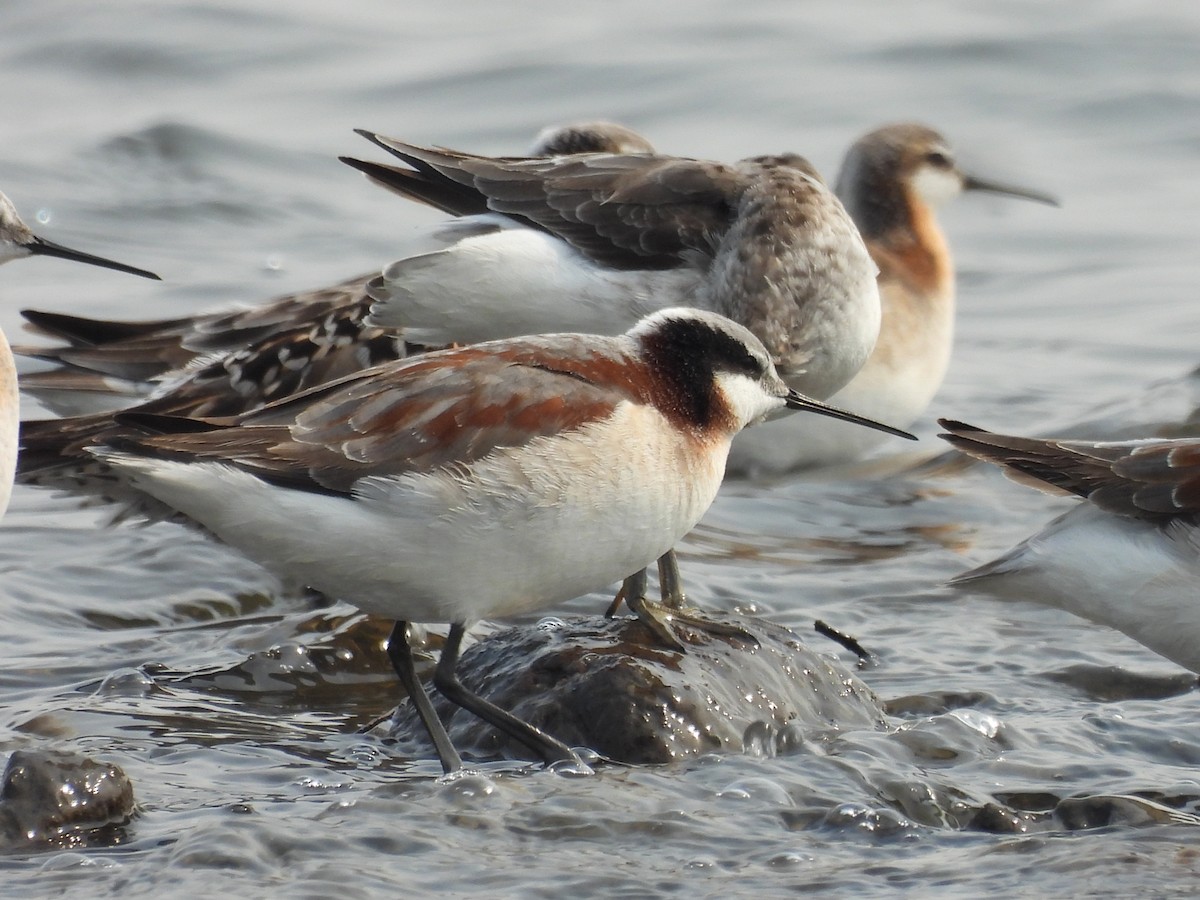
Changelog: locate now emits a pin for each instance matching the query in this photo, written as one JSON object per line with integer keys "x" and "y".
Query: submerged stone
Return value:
{"x": 609, "y": 685}
{"x": 61, "y": 799}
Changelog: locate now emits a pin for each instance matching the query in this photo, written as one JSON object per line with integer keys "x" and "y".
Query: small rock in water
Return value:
{"x": 1109, "y": 684}
{"x": 606, "y": 684}
{"x": 1105, "y": 810}
{"x": 60, "y": 799}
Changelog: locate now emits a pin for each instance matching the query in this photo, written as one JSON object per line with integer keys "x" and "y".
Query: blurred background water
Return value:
{"x": 200, "y": 140}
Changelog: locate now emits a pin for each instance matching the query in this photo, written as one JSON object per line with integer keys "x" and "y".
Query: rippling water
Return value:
{"x": 199, "y": 139}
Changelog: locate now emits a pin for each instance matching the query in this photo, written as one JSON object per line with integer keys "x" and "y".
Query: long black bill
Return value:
{"x": 974, "y": 183}
{"x": 799, "y": 401}
{"x": 43, "y": 247}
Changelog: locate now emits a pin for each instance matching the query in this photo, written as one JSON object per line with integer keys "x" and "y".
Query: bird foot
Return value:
{"x": 661, "y": 619}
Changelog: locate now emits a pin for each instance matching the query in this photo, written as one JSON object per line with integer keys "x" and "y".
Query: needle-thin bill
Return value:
{"x": 43, "y": 247}
{"x": 799, "y": 401}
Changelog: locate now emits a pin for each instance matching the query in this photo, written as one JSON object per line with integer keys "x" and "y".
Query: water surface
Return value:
{"x": 200, "y": 140}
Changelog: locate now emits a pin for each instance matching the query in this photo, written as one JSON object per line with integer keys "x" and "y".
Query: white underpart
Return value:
{"x": 10, "y": 422}
{"x": 1124, "y": 573}
{"x": 519, "y": 531}
{"x": 14, "y": 234}
{"x": 936, "y": 186}
{"x": 13, "y": 237}
{"x": 455, "y": 285}
{"x": 10, "y": 250}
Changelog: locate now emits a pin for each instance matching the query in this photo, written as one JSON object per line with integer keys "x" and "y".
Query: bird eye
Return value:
{"x": 939, "y": 159}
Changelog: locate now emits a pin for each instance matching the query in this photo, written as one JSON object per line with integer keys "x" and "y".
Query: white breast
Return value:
{"x": 10, "y": 421}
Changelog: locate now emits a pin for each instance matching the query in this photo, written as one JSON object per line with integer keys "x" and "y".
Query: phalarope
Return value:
{"x": 474, "y": 482}
{"x": 1128, "y": 557}
{"x": 17, "y": 241}
{"x": 591, "y": 242}
{"x": 892, "y": 181}
{"x": 223, "y": 363}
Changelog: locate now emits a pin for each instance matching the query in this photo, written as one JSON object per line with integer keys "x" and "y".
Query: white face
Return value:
{"x": 13, "y": 233}
{"x": 935, "y": 186}
{"x": 749, "y": 399}
{"x": 10, "y": 251}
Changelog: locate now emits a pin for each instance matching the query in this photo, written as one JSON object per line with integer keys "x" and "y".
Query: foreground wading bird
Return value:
{"x": 1127, "y": 557}
{"x": 17, "y": 241}
{"x": 474, "y": 482}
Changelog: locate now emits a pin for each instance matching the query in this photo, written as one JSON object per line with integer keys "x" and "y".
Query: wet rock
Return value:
{"x": 1109, "y": 684}
{"x": 1105, "y": 810}
{"x": 996, "y": 818}
{"x": 609, "y": 686}
{"x": 933, "y": 703}
{"x": 1024, "y": 813}
{"x": 61, "y": 799}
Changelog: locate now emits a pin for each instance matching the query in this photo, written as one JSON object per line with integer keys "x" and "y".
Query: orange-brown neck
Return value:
{"x": 914, "y": 252}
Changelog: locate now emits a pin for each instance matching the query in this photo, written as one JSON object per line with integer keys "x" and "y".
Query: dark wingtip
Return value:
{"x": 157, "y": 423}
{"x": 83, "y": 331}
{"x": 358, "y": 164}
{"x": 958, "y": 429}
{"x": 393, "y": 147}
{"x": 373, "y": 137}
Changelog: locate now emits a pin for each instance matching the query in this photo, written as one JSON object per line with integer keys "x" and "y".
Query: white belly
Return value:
{"x": 1129, "y": 575}
{"x": 523, "y": 530}
{"x": 10, "y": 420}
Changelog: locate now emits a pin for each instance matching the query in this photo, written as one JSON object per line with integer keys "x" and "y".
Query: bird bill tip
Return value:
{"x": 798, "y": 401}
{"x": 986, "y": 185}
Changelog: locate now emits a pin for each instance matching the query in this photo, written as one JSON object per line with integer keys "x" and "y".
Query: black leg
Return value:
{"x": 400, "y": 653}
{"x": 652, "y": 615}
{"x": 445, "y": 678}
{"x": 615, "y": 606}
{"x": 670, "y": 585}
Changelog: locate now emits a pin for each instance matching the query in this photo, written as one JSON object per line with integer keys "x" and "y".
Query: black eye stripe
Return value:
{"x": 730, "y": 354}
{"x": 687, "y": 354}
